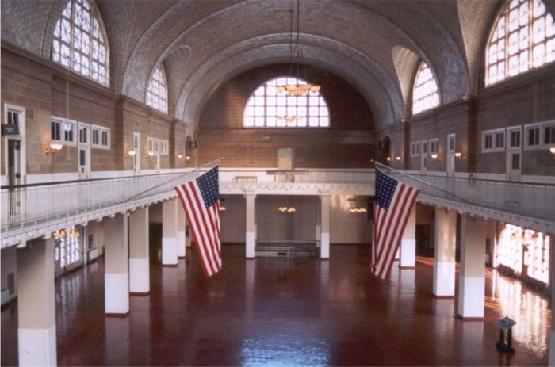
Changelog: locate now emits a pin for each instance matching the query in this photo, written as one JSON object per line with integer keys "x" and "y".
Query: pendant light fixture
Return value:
{"x": 300, "y": 87}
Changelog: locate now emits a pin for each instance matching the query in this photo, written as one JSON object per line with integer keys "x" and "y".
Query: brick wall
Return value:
{"x": 525, "y": 99}
{"x": 348, "y": 143}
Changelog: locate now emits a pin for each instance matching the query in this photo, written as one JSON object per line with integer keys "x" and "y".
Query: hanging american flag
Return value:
{"x": 200, "y": 200}
{"x": 392, "y": 206}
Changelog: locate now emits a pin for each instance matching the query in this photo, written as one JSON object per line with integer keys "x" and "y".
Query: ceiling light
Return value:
{"x": 296, "y": 54}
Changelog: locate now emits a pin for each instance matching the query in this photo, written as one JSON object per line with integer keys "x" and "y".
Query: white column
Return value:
{"x": 407, "y": 254}
{"x": 139, "y": 261}
{"x": 169, "y": 232}
{"x": 325, "y": 226}
{"x": 36, "y": 330}
{"x": 181, "y": 240}
{"x": 116, "y": 277}
{"x": 445, "y": 238}
{"x": 473, "y": 257}
{"x": 250, "y": 241}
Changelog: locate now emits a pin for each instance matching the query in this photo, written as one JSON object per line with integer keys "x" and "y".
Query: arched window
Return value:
{"x": 157, "y": 90}
{"x": 80, "y": 41}
{"x": 523, "y": 38}
{"x": 267, "y": 107}
{"x": 425, "y": 94}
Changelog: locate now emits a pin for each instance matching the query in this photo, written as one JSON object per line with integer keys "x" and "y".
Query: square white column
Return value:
{"x": 116, "y": 277}
{"x": 325, "y": 201}
{"x": 139, "y": 259}
{"x": 473, "y": 257}
{"x": 250, "y": 236}
{"x": 36, "y": 331}
{"x": 407, "y": 250}
{"x": 169, "y": 232}
{"x": 444, "y": 252}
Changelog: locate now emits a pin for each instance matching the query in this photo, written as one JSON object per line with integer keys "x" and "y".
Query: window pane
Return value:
{"x": 270, "y": 106}
{"x": 80, "y": 31}
{"x": 157, "y": 90}
{"x": 425, "y": 91}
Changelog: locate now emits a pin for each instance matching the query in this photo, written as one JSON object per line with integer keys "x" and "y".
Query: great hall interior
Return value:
{"x": 108, "y": 105}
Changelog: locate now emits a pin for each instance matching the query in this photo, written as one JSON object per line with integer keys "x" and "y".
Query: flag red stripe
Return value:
{"x": 199, "y": 235}
{"x": 200, "y": 251}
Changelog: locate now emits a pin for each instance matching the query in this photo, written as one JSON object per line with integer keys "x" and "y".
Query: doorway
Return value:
{"x": 137, "y": 150}
{"x": 15, "y": 161}
{"x": 424, "y": 156}
{"x": 84, "y": 151}
{"x": 451, "y": 148}
{"x": 514, "y": 153}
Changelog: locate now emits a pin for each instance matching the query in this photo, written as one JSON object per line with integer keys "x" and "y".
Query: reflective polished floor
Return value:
{"x": 288, "y": 312}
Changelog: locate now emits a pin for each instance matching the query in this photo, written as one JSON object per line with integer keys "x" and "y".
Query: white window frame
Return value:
{"x": 415, "y": 149}
{"x": 63, "y": 122}
{"x": 494, "y": 147}
{"x": 433, "y": 146}
{"x": 545, "y": 125}
{"x": 164, "y": 147}
{"x": 527, "y": 128}
{"x": 100, "y": 130}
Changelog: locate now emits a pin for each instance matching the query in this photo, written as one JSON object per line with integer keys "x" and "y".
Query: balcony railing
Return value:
{"x": 522, "y": 199}
{"x": 27, "y": 205}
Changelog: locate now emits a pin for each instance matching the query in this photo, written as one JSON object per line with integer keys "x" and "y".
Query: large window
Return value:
{"x": 80, "y": 42}
{"x": 157, "y": 90}
{"x": 523, "y": 38}
{"x": 425, "y": 94}
{"x": 267, "y": 107}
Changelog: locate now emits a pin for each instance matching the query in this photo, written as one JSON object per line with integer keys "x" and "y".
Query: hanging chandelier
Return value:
{"x": 300, "y": 88}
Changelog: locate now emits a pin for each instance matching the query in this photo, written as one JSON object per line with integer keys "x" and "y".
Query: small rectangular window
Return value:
{"x": 451, "y": 143}
{"x": 95, "y": 134}
{"x": 56, "y": 133}
{"x": 488, "y": 141}
{"x": 83, "y": 135}
{"x": 500, "y": 139}
{"x": 68, "y": 132}
{"x": 533, "y": 136}
{"x": 104, "y": 138}
{"x": 434, "y": 146}
{"x": 515, "y": 139}
{"x": 13, "y": 117}
{"x": 549, "y": 134}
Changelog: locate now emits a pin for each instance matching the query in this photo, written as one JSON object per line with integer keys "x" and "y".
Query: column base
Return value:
{"x": 139, "y": 293}
{"x": 169, "y": 251}
{"x": 37, "y": 347}
{"x": 181, "y": 245}
{"x": 407, "y": 256}
{"x": 324, "y": 245}
{"x": 116, "y": 293}
{"x": 116, "y": 314}
{"x": 471, "y": 297}
{"x": 444, "y": 278}
{"x": 250, "y": 245}
{"x": 139, "y": 275}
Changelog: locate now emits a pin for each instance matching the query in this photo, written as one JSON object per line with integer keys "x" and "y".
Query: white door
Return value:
{"x": 424, "y": 156}
{"x": 157, "y": 149}
{"x": 514, "y": 153}
{"x": 15, "y": 161}
{"x": 137, "y": 149}
{"x": 84, "y": 151}
{"x": 451, "y": 148}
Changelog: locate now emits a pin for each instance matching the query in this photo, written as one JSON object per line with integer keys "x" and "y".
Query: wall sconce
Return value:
{"x": 180, "y": 156}
{"x": 434, "y": 156}
{"x": 287, "y": 209}
{"x": 222, "y": 208}
{"x": 389, "y": 159}
{"x": 53, "y": 148}
{"x": 131, "y": 153}
{"x": 150, "y": 154}
{"x": 398, "y": 158}
{"x": 552, "y": 151}
{"x": 187, "y": 158}
{"x": 458, "y": 155}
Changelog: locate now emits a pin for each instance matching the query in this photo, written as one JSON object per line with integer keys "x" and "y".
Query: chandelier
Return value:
{"x": 296, "y": 54}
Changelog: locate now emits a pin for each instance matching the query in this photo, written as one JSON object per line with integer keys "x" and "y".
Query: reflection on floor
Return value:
{"x": 285, "y": 312}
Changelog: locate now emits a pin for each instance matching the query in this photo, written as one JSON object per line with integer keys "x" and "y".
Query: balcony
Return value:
{"x": 35, "y": 210}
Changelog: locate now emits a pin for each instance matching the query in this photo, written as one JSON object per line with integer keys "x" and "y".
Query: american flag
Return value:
{"x": 392, "y": 206}
{"x": 200, "y": 200}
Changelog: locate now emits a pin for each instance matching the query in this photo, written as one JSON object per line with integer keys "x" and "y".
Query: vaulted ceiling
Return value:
{"x": 373, "y": 44}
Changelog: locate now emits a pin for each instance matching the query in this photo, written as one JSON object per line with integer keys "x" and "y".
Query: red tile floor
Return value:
{"x": 288, "y": 312}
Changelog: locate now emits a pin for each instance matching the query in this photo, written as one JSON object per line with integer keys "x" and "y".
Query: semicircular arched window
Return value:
{"x": 268, "y": 108}
{"x": 523, "y": 38}
{"x": 80, "y": 43}
{"x": 425, "y": 93}
{"x": 157, "y": 90}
